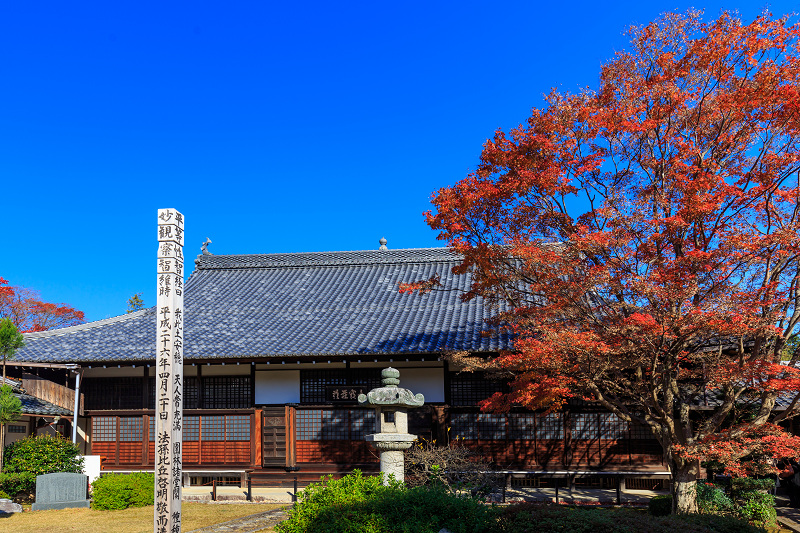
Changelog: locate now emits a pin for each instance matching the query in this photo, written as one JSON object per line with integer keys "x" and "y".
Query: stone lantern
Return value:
{"x": 391, "y": 435}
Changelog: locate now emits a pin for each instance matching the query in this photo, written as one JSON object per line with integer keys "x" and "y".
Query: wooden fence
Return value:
{"x": 51, "y": 392}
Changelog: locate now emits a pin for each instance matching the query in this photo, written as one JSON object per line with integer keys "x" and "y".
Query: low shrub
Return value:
{"x": 42, "y": 455}
{"x": 660, "y": 505}
{"x": 532, "y": 518}
{"x": 453, "y": 466}
{"x": 120, "y": 491}
{"x": 713, "y": 500}
{"x": 356, "y": 503}
{"x": 758, "y": 508}
{"x": 19, "y": 485}
{"x": 711, "y": 524}
{"x": 749, "y": 484}
{"x": 4, "y": 496}
{"x": 747, "y": 499}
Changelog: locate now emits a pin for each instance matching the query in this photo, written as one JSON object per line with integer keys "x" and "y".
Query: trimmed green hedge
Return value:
{"x": 120, "y": 491}
{"x": 42, "y": 455}
{"x": 16, "y": 483}
{"x": 358, "y": 504}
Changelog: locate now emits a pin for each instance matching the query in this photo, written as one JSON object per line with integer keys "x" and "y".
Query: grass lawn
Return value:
{"x": 139, "y": 520}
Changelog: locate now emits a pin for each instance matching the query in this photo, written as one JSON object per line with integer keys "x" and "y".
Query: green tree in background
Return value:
{"x": 10, "y": 341}
{"x": 10, "y": 411}
{"x": 135, "y": 303}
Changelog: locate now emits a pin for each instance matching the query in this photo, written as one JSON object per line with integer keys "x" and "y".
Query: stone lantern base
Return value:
{"x": 391, "y": 446}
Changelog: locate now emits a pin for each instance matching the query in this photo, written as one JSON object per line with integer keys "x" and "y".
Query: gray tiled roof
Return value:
{"x": 32, "y": 405}
{"x": 13, "y": 383}
{"x": 306, "y": 304}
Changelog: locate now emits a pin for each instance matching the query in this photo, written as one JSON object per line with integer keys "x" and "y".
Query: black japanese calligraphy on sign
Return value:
{"x": 342, "y": 393}
{"x": 169, "y": 372}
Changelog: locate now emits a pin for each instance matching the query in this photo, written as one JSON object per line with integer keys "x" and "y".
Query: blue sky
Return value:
{"x": 273, "y": 126}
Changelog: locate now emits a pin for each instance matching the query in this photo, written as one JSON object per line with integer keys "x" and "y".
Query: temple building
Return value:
{"x": 277, "y": 349}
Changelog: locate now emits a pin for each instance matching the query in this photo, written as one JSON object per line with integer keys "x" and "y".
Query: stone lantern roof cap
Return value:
{"x": 390, "y": 394}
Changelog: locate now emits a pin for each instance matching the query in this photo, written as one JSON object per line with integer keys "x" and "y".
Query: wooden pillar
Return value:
{"x": 145, "y": 440}
{"x": 253, "y": 384}
{"x": 256, "y": 437}
{"x": 291, "y": 436}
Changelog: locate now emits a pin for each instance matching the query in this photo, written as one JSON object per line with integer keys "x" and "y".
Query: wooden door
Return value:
{"x": 273, "y": 436}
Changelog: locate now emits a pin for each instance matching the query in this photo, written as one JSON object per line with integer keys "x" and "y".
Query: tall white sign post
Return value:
{"x": 169, "y": 373}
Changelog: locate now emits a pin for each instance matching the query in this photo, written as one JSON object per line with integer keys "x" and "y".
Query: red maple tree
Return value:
{"x": 644, "y": 237}
{"x": 29, "y": 313}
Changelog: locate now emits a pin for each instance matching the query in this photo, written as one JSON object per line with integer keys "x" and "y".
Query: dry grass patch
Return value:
{"x": 139, "y": 520}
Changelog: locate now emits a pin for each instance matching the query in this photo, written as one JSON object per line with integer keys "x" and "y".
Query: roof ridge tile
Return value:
{"x": 315, "y": 259}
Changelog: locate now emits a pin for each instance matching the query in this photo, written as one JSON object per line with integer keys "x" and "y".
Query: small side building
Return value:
{"x": 39, "y": 416}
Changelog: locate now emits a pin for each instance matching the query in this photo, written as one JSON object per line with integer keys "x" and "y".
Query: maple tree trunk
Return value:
{"x": 684, "y": 486}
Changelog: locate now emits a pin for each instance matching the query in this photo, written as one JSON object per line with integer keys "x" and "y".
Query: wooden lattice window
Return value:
{"x": 550, "y": 426}
{"x": 612, "y": 427}
{"x": 313, "y": 383}
{"x": 151, "y": 393}
{"x": 130, "y": 428}
{"x": 464, "y": 425}
{"x": 583, "y": 426}
{"x": 226, "y": 392}
{"x": 491, "y": 427}
{"x": 212, "y": 428}
{"x": 334, "y": 424}
{"x": 482, "y": 426}
{"x": 191, "y": 428}
{"x": 104, "y": 429}
{"x": 16, "y": 429}
{"x": 363, "y": 423}
{"x": 190, "y": 393}
{"x": 309, "y": 424}
{"x": 522, "y": 426}
{"x": 113, "y": 393}
{"x": 366, "y": 378}
{"x": 641, "y": 432}
{"x": 237, "y": 427}
{"x": 469, "y": 388}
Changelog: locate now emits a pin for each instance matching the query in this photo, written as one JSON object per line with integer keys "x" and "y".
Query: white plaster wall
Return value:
{"x": 91, "y": 466}
{"x": 428, "y": 381}
{"x": 13, "y": 437}
{"x": 277, "y": 386}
